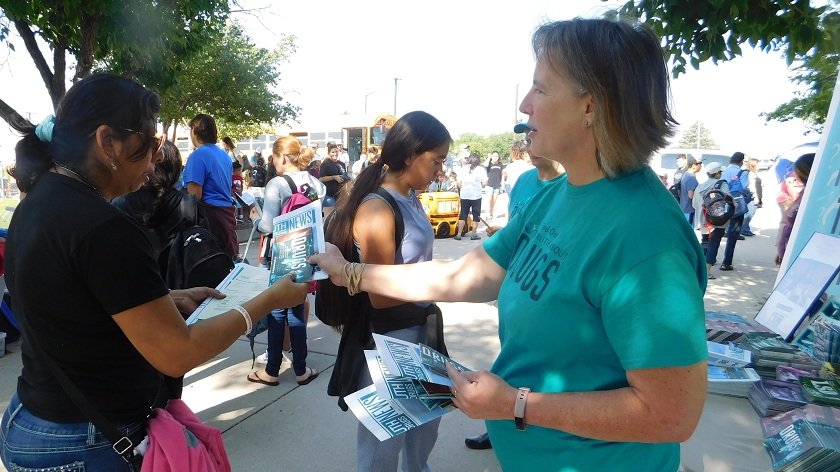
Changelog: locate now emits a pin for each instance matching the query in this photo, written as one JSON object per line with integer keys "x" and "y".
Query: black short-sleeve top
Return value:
{"x": 74, "y": 261}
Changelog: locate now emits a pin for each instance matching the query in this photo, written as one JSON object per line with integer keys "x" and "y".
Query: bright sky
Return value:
{"x": 460, "y": 60}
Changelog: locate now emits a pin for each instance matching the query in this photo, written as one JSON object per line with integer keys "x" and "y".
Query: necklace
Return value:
{"x": 77, "y": 176}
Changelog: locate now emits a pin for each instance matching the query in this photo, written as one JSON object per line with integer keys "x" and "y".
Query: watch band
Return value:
{"x": 519, "y": 408}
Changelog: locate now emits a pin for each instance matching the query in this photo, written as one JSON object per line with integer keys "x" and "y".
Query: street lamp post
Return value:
{"x": 366, "y": 97}
{"x": 396, "y": 79}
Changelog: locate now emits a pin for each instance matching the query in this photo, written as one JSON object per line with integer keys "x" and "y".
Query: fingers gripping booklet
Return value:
{"x": 297, "y": 235}
{"x": 410, "y": 387}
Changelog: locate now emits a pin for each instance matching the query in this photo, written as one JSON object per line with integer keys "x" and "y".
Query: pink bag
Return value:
{"x": 179, "y": 441}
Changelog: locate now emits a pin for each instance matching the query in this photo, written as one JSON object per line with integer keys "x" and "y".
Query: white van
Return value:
{"x": 665, "y": 160}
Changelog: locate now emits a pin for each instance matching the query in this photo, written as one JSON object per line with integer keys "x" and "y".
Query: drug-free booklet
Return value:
{"x": 410, "y": 387}
{"x": 296, "y": 236}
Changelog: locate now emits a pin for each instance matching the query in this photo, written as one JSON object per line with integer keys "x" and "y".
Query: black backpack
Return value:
{"x": 258, "y": 176}
{"x": 675, "y": 189}
{"x": 193, "y": 257}
{"x": 333, "y": 305}
{"x": 717, "y": 205}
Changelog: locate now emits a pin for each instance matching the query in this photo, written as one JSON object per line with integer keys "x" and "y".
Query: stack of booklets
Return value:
{"x": 770, "y": 351}
{"x": 814, "y": 413}
{"x": 727, "y": 355}
{"x": 821, "y": 391}
{"x": 770, "y": 397}
{"x": 410, "y": 387}
{"x": 728, "y": 327}
{"x": 805, "y": 446}
{"x": 734, "y": 381}
{"x": 826, "y": 338}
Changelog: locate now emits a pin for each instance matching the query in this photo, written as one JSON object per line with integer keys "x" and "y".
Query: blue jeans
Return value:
{"x": 732, "y": 233}
{"x": 30, "y": 443}
{"x": 713, "y": 245}
{"x": 276, "y": 335}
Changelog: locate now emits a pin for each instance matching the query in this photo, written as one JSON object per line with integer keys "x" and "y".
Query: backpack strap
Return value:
{"x": 291, "y": 183}
{"x": 399, "y": 224}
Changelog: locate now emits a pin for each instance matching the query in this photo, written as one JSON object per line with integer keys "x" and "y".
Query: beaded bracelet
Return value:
{"x": 248, "y": 323}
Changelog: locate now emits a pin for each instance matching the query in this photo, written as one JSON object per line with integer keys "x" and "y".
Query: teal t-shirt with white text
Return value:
{"x": 527, "y": 185}
{"x": 601, "y": 279}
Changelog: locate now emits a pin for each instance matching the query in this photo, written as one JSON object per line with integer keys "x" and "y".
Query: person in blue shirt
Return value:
{"x": 733, "y": 231}
{"x": 209, "y": 177}
{"x": 688, "y": 184}
{"x": 597, "y": 370}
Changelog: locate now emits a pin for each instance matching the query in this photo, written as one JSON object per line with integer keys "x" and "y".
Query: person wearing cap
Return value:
{"x": 688, "y": 184}
{"x": 597, "y": 370}
{"x": 710, "y": 236}
{"x": 733, "y": 172}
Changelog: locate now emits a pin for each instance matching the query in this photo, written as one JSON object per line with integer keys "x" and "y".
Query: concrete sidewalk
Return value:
{"x": 300, "y": 428}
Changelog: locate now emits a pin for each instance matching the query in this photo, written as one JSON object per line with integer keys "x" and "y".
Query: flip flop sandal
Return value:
{"x": 255, "y": 377}
{"x": 312, "y": 374}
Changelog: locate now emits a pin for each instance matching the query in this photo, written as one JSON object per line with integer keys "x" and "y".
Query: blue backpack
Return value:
{"x": 740, "y": 194}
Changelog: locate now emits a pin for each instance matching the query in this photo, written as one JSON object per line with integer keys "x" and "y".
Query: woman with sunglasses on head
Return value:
{"x": 603, "y": 348}
{"x": 87, "y": 289}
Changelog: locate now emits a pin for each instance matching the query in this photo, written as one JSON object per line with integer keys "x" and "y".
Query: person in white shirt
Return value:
{"x": 471, "y": 179}
{"x": 519, "y": 163}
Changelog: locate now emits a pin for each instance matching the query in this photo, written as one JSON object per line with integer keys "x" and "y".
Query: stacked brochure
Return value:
{"x": 805, "y": 446}
{"x": 728, "y": 327}
{"x": 410, "y": 387}
{"x": 727, "y": 355}
{"x": 770, "y": 397}
{"x": 821, "y": 391}
{"x": 813, "y": 413}
{"x": 734, "y": 381}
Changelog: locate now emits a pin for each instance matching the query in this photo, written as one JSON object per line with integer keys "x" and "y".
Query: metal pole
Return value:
{"x": 516, "y": 105}
{"x": 395, "y": 95}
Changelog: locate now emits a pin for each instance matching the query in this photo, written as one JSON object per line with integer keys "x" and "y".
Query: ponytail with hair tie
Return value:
{"x": 44, "y": 129}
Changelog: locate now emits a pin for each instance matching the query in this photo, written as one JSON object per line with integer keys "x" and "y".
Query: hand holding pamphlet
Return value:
{"x": 410, "y": 387}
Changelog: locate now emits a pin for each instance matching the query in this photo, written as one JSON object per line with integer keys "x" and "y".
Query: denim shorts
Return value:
{"x": 31, "y": 444}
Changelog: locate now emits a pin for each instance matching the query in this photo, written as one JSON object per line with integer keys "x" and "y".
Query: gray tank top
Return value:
{"x": 418, "y": 238}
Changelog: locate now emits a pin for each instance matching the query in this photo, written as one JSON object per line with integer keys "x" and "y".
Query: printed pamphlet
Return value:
{"x": 243, "y": 283}
{"x": 296, "y": 236}
{"x": 727, "y": 355}
{"x": 410, "y": 387}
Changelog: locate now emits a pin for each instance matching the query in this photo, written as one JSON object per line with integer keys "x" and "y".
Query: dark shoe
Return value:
{"x": 482, "y": 441}
{"x": 741, "y": 238}
{"x": 725, "y": 267}
{"x": 475, "y": 237}
{"x": 748, "y": 234}
{"x": 457, "y": 238}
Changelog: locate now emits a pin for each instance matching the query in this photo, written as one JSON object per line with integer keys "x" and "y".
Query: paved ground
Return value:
{"x": 300, "y": 428}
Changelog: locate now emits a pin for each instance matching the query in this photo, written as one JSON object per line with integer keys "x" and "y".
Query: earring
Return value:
{"x": 586, "y": 123}
{"x": 113, "y": 165}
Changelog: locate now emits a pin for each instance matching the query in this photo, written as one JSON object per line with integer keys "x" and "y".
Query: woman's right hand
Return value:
{"x": 286, "y": 292}
{"x": 332, "y": 262}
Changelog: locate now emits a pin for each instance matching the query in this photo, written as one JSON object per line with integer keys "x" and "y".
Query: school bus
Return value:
{"x": 359, "y": 139}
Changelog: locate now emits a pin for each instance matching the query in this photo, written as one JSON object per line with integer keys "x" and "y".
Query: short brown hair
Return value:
{"x": 204, "y": 128}
{"x": 622, "y": 66}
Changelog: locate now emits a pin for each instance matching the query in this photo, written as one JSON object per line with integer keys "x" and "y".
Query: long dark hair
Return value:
{"x": 100, "y": 99}
{"x": 415, "y": 133}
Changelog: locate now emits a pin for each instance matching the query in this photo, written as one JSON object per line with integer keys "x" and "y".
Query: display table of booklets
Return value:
{"x": 792, "y": 386}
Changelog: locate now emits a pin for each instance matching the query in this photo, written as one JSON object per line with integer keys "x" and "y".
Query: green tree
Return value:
{"x": 698, "y": 136}
{"x": 124, "y": 35}
{"x": 232, "y": 80}
{"x": 696, "y": 32}
{"x": 484, "y": 145}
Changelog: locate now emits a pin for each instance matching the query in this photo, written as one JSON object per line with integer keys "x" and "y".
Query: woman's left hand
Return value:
{"x": 481, "y": 394}
{"x": 187, "y": 300}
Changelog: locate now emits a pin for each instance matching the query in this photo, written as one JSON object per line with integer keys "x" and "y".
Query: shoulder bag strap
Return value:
{"x": 291, "y": 183}
{"x": 399, "y": 224}
{"x": 121, "y": 444}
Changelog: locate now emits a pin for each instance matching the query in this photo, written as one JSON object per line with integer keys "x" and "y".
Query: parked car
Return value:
{"x": 666, "y": 160}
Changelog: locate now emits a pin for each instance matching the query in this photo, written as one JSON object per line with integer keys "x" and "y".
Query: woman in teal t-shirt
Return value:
{"x": 599, "y": 280}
